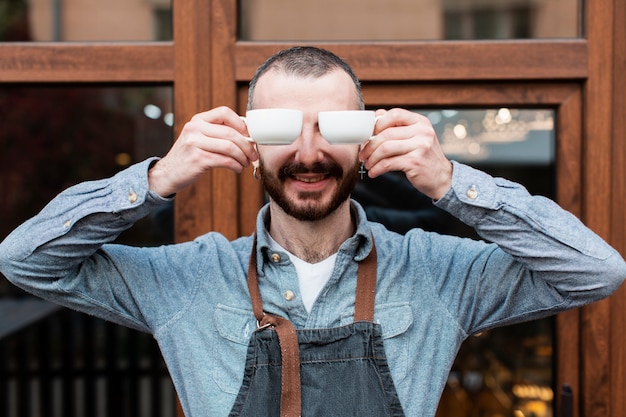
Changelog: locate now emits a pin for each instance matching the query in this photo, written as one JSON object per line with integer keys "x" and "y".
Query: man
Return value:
{"x": 223, "y": 312}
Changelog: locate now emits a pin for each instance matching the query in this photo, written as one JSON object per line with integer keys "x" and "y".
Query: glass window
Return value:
{"x": 507, "y": 371}
{"x": 324, "y": 20}
{"x": 85, "y": 20}
{"x": 59, "y": 362}
{"x": 52, "y": 137}
{"x": 497, "y": 137}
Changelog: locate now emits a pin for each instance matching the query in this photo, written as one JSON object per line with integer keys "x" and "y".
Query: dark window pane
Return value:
{"x": 57, "y": 362}
{"x": 52, "y": 137}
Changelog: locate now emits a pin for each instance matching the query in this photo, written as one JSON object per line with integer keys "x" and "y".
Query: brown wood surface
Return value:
{"x": 87, "y": 62}
{"x": 597, "y": 172}
{"x": 569, "y": 190}
{"x": 427, "y": 94}
{"x": 225, "y": 184}
{"x": 192, "y": 93}
{"x": 251, "y": 195}
{"x": 502, "y": 60}
{"x": 434, "y": 61}
{"x": 617, "y": 356}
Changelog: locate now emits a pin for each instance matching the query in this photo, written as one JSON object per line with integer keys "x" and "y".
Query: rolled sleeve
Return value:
{"x": 551, "y": 243}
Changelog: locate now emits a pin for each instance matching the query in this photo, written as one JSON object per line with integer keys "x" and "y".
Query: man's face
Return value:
{"x": 309, "y": 178}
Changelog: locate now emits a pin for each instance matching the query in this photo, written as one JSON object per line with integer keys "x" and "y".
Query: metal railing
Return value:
{"x": 72, "y": 365}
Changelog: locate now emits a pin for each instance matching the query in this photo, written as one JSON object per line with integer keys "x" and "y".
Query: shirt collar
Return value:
{"x": 358, "y": 245}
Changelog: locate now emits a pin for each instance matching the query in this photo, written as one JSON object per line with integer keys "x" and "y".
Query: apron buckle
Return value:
{"x": 259, "y": 326}
{"x": 265, "y": 322}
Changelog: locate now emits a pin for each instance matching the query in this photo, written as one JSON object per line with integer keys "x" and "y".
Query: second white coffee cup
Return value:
{"x": 347, "y": 126}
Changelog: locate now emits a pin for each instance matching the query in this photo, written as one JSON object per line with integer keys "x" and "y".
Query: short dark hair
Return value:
{"x": 305, "y": 61}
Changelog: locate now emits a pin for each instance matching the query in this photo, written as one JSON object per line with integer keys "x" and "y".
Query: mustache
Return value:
{"x": 325, "y": 168}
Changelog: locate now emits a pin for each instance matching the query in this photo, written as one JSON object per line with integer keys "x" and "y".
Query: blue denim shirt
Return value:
{"x": 433, "y": 290}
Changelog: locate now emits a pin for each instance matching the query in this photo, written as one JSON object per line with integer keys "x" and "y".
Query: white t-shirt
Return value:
{"x": 311, "y": 277}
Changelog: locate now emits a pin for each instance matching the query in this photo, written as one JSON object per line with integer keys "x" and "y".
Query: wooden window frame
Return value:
{"x": 566, "y": 100}
{"x": 581, "y": 78}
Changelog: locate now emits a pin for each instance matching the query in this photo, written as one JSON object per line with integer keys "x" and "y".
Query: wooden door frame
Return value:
{"x": 566, "y": 100}
{"x": 209, "y": 67}
{"x": 616, "y": 361}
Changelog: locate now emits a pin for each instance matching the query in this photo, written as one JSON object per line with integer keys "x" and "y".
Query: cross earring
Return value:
{"x": 362, "y": 170}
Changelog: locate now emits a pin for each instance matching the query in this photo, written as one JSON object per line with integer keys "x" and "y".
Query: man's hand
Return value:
{"x": 406, "y": 141}
{"x": 213, "y": 139}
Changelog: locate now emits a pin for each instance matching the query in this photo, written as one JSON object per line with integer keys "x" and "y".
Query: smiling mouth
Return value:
{"x": 311, "y": 174}
{"x": 309, "y": 179}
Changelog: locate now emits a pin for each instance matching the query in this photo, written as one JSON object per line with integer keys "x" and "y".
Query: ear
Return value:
{"x": 255, "y": 170}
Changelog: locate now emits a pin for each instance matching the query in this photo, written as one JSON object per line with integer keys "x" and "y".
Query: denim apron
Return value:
{"x": 336, "y": 372}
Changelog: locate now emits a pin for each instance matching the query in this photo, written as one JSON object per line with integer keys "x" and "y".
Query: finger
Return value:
{"x": 396, "y": 117}
{"x": 378, "y": 125}
{"x": 223, "y": 141}
{"x": 216, "y": 130}
{"x": 222, "y": 116}
{"x": 396, "y": 155}
{"x": 390, "y": 135}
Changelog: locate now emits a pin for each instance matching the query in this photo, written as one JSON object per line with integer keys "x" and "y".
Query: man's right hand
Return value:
{"x": 213, "y": 139}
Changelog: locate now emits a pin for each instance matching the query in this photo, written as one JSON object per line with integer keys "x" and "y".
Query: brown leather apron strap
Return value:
{"x": 253, "y": 286}
{"x": 366, "y": 287}
{"x": 291, "y": 394}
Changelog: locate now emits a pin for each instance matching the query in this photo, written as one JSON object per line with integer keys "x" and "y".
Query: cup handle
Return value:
{"x": 249, "y": 139}
{"x": 375, "y": 121}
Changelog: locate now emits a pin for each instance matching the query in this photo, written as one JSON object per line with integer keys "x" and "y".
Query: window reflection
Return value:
{"x": 267, "y": 20}
{"x": 85, "y": 20}
{"x": 496, "y": 136}
{"x": 506, "y": 371}
{"x": 52, "y": 137}
{"x": 56, "y": 136}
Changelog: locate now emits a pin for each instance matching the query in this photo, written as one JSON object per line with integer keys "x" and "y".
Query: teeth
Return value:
{"x": 310, "y": 179}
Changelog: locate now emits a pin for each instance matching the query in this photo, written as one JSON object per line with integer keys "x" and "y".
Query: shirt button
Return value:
{"x": 289, "y": 295}
{"x": 472, "y": 193}
{"x": 275, "y": 257}
{"x": 132, "y": 197}
{"x": 66, "y": 224}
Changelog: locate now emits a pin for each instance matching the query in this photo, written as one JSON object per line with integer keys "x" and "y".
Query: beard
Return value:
{"x": 306, "y": 206}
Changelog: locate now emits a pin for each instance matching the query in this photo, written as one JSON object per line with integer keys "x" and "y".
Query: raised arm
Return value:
{"x": 541, "y": 246}
{"x": 62, "y": 251}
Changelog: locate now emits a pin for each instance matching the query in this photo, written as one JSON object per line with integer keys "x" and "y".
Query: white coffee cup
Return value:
{"x": 347, "y": 126}
{"x": 274, "y": 126}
